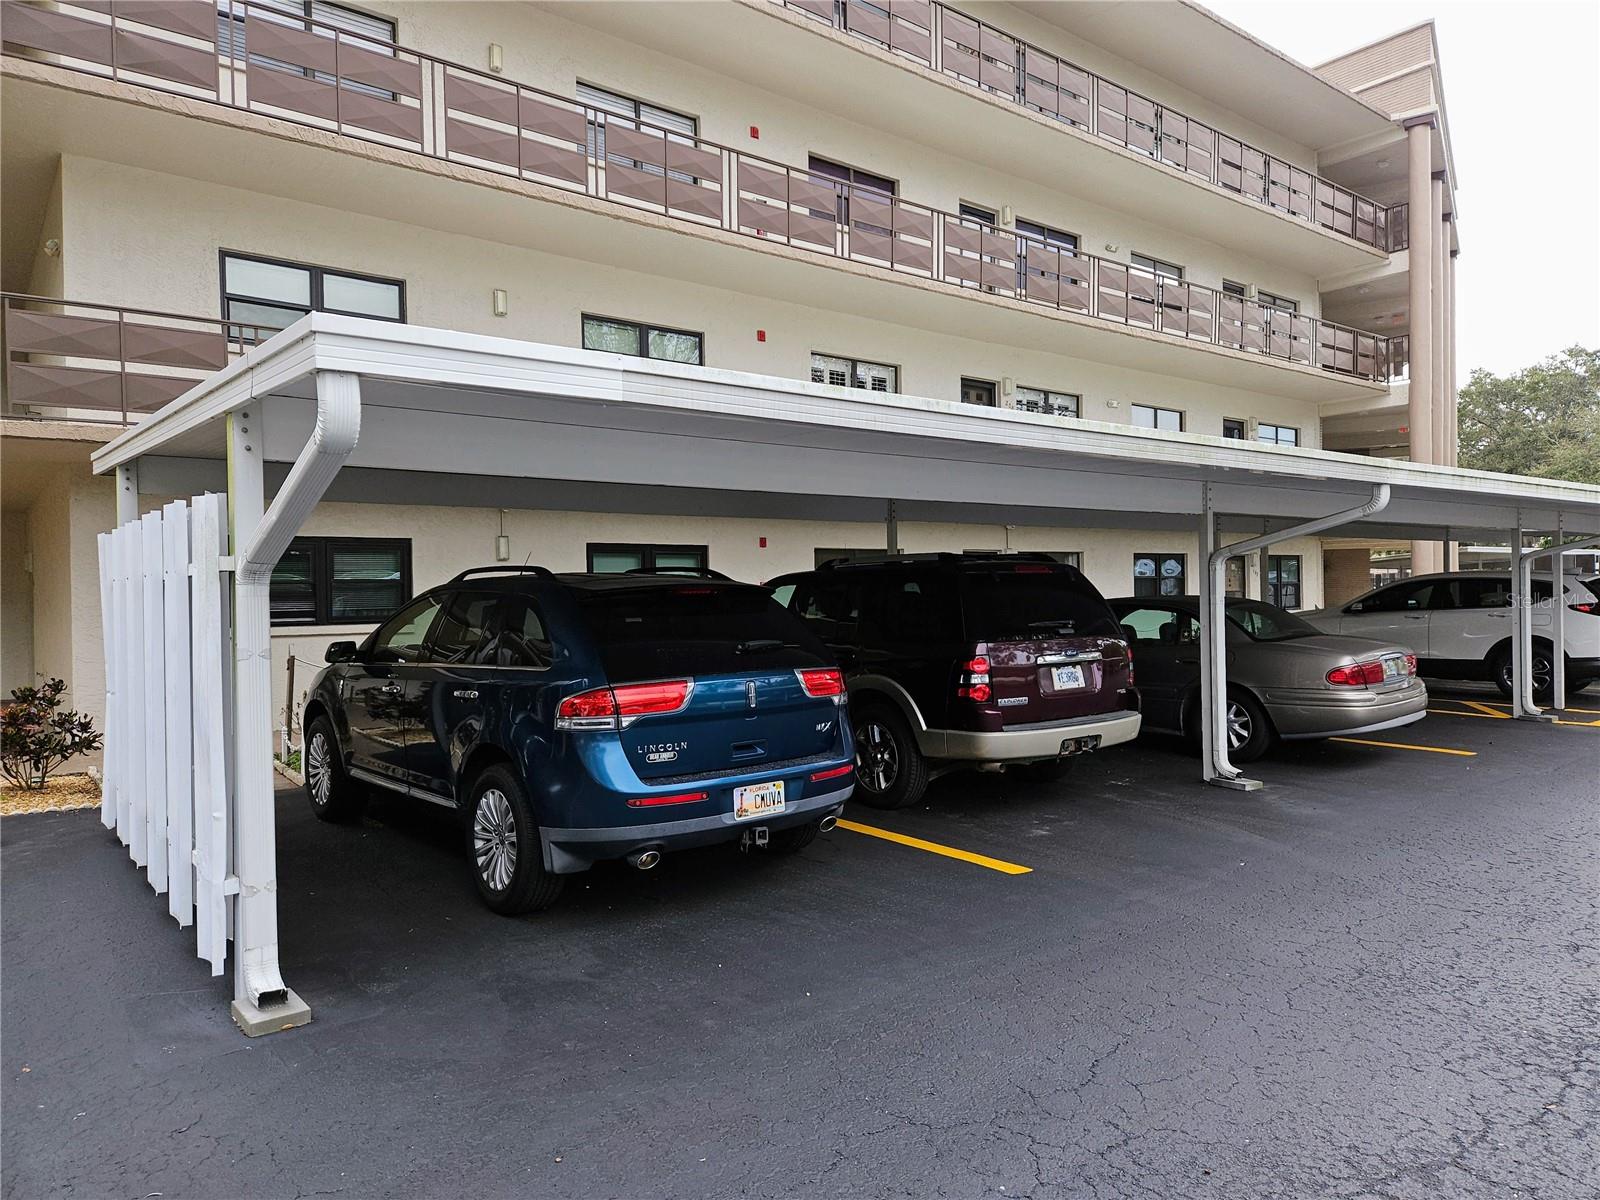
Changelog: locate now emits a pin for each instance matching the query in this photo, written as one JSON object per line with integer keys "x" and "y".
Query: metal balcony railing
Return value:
{"x": 324, "y": 78}
{"x": 987, "y": 58}
{"x": 103, "y": 363}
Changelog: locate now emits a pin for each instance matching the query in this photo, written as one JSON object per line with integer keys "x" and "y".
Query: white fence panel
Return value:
{"x": 122, "y": 546}
{"x": 138, "y": 820}
{"x": 108, "y": 774}
{"x": 209, "y": 680}
{"x": 180, "y": 756}
{"x": 153, "y": 648}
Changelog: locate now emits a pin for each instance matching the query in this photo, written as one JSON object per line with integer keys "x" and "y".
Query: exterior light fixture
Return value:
{"x": 501, "y": 302}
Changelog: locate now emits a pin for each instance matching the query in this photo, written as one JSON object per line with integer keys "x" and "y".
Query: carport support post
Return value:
{"x": 1208, "y": 735}
{"x": 261, "y": 1001}
{"x": 127, "y": 493}
{"x": 1522, "y": 700}
{"x": 1558, "y": 621}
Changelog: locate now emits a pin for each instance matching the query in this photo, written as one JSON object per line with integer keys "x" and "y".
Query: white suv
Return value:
{"x": 1459, "y": 625}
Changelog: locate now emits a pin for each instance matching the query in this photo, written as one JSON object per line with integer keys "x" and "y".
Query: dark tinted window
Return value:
{"x": 1023, "y": 600}
{"x": 918, "y": 608}
{"x": 519, "y": 638}
{"x": 1406, "y": 597}
{"x": 662, "y": 632}
{"x": 830, "y": 606}
{"x": 463, "y": 630}
{"x": 1483, "y": 593}
{"x": 401, "y": 640}
{"x": 1265, "y": 623}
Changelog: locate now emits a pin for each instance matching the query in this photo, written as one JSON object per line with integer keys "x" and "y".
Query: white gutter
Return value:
{"x": 1216, "y": 710}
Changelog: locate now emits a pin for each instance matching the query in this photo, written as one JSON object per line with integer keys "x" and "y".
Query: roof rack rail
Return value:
{"x": 687, "y": 572}
{"x": 503, "y": 570}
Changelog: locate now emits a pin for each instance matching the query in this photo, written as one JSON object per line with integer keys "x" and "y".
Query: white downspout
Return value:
{"x": 1215, "y": 712}
{"x": 262, "y": 1002}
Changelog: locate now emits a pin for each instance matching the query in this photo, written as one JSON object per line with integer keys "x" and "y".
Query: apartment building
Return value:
{"x": 1106, "y": 214}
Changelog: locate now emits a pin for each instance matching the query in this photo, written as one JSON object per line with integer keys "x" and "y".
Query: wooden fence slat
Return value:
{"x": 152, "y": 647}
{"x": 180, "y": 758}
{"x": 124, "y": 756}
{"x": 138, "y": 818}
{"x": 210, "y": 761}
{"x": 108, "y": 791}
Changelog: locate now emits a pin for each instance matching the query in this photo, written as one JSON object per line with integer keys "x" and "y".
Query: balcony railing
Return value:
{"x": 102, "y": 363}
{"x": 321, "y": 77}
{"x": 987, "y": 58}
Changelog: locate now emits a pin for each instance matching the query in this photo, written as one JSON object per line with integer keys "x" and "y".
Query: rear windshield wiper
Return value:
{"x": 761, "y": 645}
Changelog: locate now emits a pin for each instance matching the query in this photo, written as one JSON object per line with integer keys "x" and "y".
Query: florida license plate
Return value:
{"x": 757, "y": 800}
{"x": 1394, "y": 667}
{"x": 1066, "y": 677}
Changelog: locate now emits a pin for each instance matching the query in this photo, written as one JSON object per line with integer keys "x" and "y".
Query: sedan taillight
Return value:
{"x": 1361, "y": 674}
{"x": 618, "y": 707}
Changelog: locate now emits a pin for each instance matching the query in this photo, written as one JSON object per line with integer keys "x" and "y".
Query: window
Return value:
{"x": 854, "y": 372}
{"x": 274, "y": 294}
{"x": 519, "y": 638}
{"x": 976, "y": 212}
{"x": 977, "y": 391}
{"x": 1277, "y": 435}
{"x": 1283, "y": 580}
{"x": 1406, "y": 597}
{"x": 848, "y": 179}
{"x": 1282, "y": 302}
{"x": 231, "y": 32}
{"x": 616, "y": 558}
{"x": 1042, "y": 400}
{"x": 462, "y": 635}
{"x": 401, "y": 640}
{"x": 633, "y": 110}
{"x": 1232, "y": 427}
{"x": 1156, "y": 267}
{"x": 822, "y": 554}
{"x": 1056, "y": 239}
{"x": 340, "y": 581}
{"x": 642, "y": 341}
{"x": 1163, "y": 625}
{"x": 1230, "y": 288}
{"x": 1159, "y": 574}
{"x": 1148, "y": 416}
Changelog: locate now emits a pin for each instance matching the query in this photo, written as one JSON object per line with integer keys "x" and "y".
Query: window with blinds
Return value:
{"x": 618, "y": 105}
{"x": 232, "y": 21}
{"x": 854, "y": 372}
{"x": 340, "y": 581}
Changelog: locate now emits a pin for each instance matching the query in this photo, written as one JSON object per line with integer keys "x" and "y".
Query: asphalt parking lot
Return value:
{"x": 1379, "y": 977}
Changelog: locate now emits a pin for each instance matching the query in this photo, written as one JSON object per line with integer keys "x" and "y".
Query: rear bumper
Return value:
{"x": 1023, "y": 745}
{"x": 1583, "y": 668}
{"x": 1316, "y": 714}
{"x": 567, "y": 851}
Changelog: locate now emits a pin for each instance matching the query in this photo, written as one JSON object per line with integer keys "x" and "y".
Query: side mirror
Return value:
{"x": 339, "y": 652}
{"x": 1356, "y": 607}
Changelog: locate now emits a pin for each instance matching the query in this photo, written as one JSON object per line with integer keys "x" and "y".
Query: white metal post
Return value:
{"x": 1208, "y": 629}
{"x": 127, "y": 493}
{"x": 261, "y": 1001}
{"x": 1558, "y": 621}
{"x": 1522, "y": 699}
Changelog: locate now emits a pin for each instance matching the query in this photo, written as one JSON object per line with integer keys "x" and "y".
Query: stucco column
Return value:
{"x": 1441, "y": 327}
{"x": 1452, "y": 396}
{"x": 1422, "y": 220}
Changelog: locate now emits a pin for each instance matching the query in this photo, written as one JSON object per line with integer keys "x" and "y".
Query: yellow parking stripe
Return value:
{"x": 1504, "y": 705}
{"x": 1451, "y": 712}
{"x": 982, "y": 860}
{"x": 1486, "y": 710}
{"x": 1454, "y": 712}
{"x": 1403, "y": 746}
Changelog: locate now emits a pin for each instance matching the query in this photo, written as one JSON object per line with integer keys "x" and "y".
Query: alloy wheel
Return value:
{"x": 319, "y": 769}
{"x": 1544, "y": 673}
{"x": 494, "y": 839}
{"x": 1240, "y": 727}
{"x": 877, "y": 760}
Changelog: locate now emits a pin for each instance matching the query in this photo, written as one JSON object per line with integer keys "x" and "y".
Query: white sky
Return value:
{"x": 1522, "y": 93}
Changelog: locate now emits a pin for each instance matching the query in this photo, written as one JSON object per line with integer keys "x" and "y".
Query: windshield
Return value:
{"x": 1032, "y": 600}
{"x": 658, "y": 632}
{"x": 1268, "y": 623}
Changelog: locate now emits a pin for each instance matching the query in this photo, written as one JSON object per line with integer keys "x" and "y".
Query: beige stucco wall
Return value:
{"x": 16, "y": 603}
{"x": 147, "y": 239}
{"x": 46, "y": 276}
{"x": 50, "y": 538}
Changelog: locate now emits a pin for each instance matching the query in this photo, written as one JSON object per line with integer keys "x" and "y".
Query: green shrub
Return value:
{"x": 36, "y": 737}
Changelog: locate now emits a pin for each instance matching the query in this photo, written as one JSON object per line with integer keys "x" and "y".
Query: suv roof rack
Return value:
{"x": 522, "y": 570}
{"x": 939, "y": 556}
{"x": 686, "y": 572}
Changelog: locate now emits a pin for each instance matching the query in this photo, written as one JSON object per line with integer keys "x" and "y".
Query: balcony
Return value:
{"x": 389, "y": 96}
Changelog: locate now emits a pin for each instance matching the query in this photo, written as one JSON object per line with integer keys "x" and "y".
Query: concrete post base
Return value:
{"x": 1238, "y": 785}
{"x": 254, "y": 1021}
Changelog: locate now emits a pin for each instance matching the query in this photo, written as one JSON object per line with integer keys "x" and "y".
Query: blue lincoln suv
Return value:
{"x": 575, "y": 717}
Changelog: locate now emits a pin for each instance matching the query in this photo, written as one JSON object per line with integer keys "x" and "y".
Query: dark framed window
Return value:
{"x": 1043, "y": 400}
{"x": 1277, "y": 435}
{"x": 1283, "y": 580}
{"x": 1148, "y": 416}
{"x": 1070, "y": 558}
{"x": 1160, "y": 574}
{"x": 275, "y": 293}
{"x": 1230, "y": 288}
{"x": 616, "y": 558}
{"x": 1158, "y": 267}
{"x": 822, "y": 554}
{"x": 854, "y": 372}
{"x": 977, "y": 212}
{"x": 231, "y": 32}
{"x": 978, "y": 391}
{"x": 848, "y": 179}
{"x": 1283, "y": 302}
{"x": 680, "y": 127}
{"x": 1233, "y": 427}
{"x": 643, "y": 341}
{"x": 1056, "y": 239}
{"x": 340, "y": 581}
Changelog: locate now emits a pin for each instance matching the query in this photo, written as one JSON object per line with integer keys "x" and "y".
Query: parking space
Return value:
{"x": 1374, "y": 978}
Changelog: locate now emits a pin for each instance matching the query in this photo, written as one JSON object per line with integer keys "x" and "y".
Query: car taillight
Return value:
{"x": 618, "y": 707}
{"x": 1360, "y": 674}
{"x": 832, "y": 773}
{"x": 973, "y": 680}
{"x": 656, "y": 801}
{"x": 821, "y": 682}
{"x": 1588, "y": 606}
{"x": 976, "y": 666}
{"x": 1411, "y": 664}
{"x": 976, "y": 691}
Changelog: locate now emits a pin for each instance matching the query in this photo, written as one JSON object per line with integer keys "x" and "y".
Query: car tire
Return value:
{"x": 1543, "y": 668}
{"x": 1250, "y": 733}
{"x": 793, "y": 839}
{"x": 334, "y": 796}
{"x": 503, "y": 845}
{"x": 890, "y": 770}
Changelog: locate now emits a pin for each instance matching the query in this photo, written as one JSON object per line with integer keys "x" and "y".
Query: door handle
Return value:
{"x": 391, "y": 687}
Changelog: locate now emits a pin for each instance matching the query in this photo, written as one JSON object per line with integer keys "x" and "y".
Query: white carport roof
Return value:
{"x": 441, "y": 404}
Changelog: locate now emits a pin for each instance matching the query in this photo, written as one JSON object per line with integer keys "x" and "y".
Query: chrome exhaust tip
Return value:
{"x": 644, "y": 859}
{"x": 827, "y": 823}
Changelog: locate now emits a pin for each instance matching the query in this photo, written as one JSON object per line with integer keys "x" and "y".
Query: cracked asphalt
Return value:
{"x": 1379, "y": 977}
